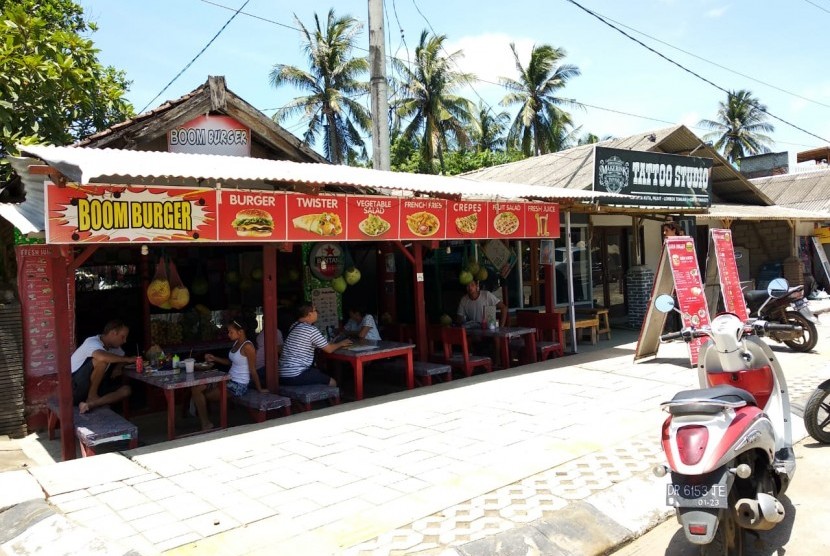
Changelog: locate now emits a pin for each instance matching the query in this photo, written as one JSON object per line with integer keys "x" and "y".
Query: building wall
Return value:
{"x": 767, "y": 240}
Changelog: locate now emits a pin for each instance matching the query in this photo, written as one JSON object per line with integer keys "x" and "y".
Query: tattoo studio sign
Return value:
{"x": 654, "y": 179}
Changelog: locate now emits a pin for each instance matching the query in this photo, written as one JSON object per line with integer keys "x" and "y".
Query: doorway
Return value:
{"x": 609, "y": 264}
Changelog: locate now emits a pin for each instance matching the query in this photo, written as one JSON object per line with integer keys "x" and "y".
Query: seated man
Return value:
{"x": 361, "y": 325}
{"x": 471, "y": 308}
{"x": 303, "y": 340}
{"x": 92, "y": 363}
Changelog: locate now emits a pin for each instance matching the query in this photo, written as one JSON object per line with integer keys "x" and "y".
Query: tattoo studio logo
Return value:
{"x": 613, "y": 174}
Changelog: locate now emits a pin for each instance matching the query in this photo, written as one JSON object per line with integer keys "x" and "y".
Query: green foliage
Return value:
{"x": 53, "y": 89}
{"x": 330, "y": 108}
{"x": 740, "y": 128}
{"x": 435, "y": 114}
{"x": 540, "y": 126}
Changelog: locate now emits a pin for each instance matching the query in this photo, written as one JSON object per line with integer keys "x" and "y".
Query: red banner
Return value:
{"x": 315, "y": 218}
{"x": 689, "y": 287}
{"x": 423, "y": 219}
{"x": 124, "y": 214}
{"x": 730, "y": 282}
{"x": 372, "y": 218}
{"x": 249, "y": 216}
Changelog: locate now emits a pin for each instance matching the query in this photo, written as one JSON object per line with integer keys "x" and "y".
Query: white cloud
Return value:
{"x": 489, "y": 57}
{"x": 715, "y": 13}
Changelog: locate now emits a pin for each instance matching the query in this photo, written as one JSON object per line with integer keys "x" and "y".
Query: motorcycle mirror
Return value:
{"x": 778, "y": 288}
{"x": 664, "y": 303}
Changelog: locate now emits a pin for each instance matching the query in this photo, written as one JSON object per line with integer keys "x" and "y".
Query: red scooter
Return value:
{"x": 728, "y": 444}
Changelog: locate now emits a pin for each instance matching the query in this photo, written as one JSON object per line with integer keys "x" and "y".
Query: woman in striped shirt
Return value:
{"x": 303, "y": 340}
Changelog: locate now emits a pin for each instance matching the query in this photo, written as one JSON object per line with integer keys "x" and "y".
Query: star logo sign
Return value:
{"x": 329, "y": 250}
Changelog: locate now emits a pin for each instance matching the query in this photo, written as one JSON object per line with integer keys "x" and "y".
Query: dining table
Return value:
{"x": 502, "y": 335}
{"x": 169, "y": 380}
{"x": 364, "y": 351}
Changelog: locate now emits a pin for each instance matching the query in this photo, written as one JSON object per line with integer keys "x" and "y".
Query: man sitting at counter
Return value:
{"x": 297, "y": 360}
{"x": 361, "y": 325}
{"x": 471, "y": 308}
{"x": 92, "y": 367}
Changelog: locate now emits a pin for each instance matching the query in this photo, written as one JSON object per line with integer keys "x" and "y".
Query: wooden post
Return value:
{"x": 62, "y": 355}
{"x": 269, "y": 312}
{"x": 420, "y": 303}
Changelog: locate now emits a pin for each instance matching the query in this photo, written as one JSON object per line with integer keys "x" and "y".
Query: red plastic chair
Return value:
{"x": 462, "y": 359}
{"x": 548, "y": 332}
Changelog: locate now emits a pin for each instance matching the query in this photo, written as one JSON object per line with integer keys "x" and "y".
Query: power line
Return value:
{"x": 190, "y": 63}
{"x": 687, "y": 70}
{"x": 817, "y": 6}
{"x": 736, "y": 72}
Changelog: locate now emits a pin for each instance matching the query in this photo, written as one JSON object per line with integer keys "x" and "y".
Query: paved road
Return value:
{"x": 803, "y": 531}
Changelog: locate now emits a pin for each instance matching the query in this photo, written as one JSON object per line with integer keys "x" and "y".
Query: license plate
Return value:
{"x": 699, "y": 491}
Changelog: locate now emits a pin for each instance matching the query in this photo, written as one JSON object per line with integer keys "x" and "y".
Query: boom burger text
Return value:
{"x": 106, "y": 214}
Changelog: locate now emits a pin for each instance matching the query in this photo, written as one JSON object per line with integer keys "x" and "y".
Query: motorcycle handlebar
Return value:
{"x": 671, "y": 336}
{"x": 773, "y": 326}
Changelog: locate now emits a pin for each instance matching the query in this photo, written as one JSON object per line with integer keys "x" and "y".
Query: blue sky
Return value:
{"x": 777, "y": 42}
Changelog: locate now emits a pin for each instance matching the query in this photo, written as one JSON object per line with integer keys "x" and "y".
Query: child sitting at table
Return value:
{"x": 242, "y": 362}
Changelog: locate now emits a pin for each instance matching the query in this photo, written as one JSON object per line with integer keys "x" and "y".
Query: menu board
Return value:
{"x": 372, "y": 217}
{"x": 248, "y": 216}
{"x": 689, "y": 287}
{"x": 506, "y": 220}
{"x": 119, "y": 214}
{"x": 730, "y": 281}
{"x": 37, "y": 300}
{"x": 125, "y": 214}
{"x": 325, "y": 301}
{"x": 422, "y": 219}
{"x": 311, "y": 217}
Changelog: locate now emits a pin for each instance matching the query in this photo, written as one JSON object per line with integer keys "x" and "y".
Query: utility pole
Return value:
{"x": 377, "y": 87}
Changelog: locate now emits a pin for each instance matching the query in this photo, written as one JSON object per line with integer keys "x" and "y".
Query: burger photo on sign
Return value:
{"x": 253, "y": 222}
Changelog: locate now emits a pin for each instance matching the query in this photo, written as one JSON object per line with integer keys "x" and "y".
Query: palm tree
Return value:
{"x": 428, "y": 100}
{"x": 488, "y": 129}
{"x": 740, "y": 127}
{"x": 332, "y": 83}
{"x": 540, "y": 119}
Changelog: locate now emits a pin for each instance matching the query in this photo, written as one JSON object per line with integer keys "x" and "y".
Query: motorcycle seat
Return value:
{"x": 722, "y": 392}
{"x": 755, "y": 295}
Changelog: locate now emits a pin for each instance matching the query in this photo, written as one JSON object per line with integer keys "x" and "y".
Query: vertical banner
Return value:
{"x": 720, "y": 243}
{"x": 688, "y": 286}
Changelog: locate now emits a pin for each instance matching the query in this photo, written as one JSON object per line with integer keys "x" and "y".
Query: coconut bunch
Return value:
{"x": 472, "y": 270}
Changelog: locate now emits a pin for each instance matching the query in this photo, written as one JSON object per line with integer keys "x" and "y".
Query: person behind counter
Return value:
{"x": 361, "y": 325}
{"x": 242, "y": 362}
{"x": 471, "y": 307}
{"x": 93, "y": 364}
{"x": 297, "y": 360}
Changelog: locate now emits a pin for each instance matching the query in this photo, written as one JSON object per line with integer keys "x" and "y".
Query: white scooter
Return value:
{"x": 728, "y": 444}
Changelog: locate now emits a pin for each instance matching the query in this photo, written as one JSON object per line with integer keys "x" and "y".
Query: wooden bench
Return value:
{"x": 93, "y": 428}
{"x": 305, "y": 395}
{"x": 259, "y": 404}
{"x": 590, "y": 324}
{"x": 424, "y": 370}
{"x": 601, "y": 314}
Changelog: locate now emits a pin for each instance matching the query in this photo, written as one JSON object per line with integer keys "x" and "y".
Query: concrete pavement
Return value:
{"x": 551, "y": 458}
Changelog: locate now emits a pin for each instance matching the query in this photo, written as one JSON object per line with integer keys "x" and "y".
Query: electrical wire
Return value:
{"x": 691, "y": 72}
{"x": 817, "y": 6}
{"x": 190, "y": 63}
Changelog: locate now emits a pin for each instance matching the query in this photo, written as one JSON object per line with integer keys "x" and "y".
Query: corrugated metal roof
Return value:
{"x": 27, "y": 216}
{"x": 83, "y": 165}
{"x": 574, "y": 168}
{"x": 809, "y": 191}
{"x": 754, "y": 212}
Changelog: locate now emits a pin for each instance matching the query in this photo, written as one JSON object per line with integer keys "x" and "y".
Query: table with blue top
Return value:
{"x": 363, "y": 351}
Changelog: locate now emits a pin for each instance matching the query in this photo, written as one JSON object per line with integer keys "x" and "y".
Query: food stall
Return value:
{"x": 211, "y": 214}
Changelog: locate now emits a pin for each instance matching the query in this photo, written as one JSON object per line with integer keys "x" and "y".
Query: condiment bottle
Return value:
{"x": 139, "y": 364}
{"x": 175, "y": 361}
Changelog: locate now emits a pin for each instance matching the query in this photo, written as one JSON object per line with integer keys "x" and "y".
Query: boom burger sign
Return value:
{"x": 210, "y": 135}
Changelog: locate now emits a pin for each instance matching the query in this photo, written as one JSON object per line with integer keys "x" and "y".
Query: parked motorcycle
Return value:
{"x": 728, "y": 444}
{"x": 790, "y": 308}
{"x": 817, "y": 413}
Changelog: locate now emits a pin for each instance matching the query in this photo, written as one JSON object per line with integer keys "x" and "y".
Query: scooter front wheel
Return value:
{"x": 817, "y": 413}
{"x": 809, "y": 333}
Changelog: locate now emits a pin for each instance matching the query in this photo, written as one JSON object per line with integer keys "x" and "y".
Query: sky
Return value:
{"x": 774, "y": 48}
